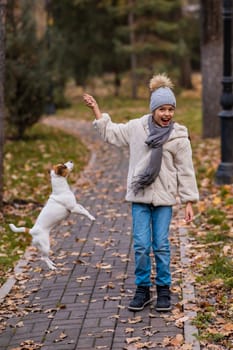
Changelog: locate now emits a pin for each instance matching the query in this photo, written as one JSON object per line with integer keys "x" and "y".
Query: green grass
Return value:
{"x": 203, "y": 321}
{"x": 216, "y": 216}
{"x": 220, "y": 267}
{"x": 214, "y": 237}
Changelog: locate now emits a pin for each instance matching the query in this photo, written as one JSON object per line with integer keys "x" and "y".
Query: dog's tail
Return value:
{"x": 18, "y": 229}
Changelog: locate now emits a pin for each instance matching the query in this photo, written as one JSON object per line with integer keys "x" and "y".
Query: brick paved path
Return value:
{"x": 83, "y": 305}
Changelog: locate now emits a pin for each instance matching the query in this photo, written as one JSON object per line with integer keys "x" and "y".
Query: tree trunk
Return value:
{"x": 211, "y": 66}
{"x": 2, "y": 71}
{"x": 133, "y": 58}
{"x": 186, "y": 72}
{"x": 117, "y": 84}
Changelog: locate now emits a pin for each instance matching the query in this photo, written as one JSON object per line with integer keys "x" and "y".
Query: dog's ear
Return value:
{"x": 61, "y": 170}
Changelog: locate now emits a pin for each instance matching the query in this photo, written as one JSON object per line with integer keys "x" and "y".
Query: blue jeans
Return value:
{"x": 151, "y": 231}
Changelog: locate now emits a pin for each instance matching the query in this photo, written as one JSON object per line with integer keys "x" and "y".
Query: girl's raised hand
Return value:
{"x": 91, "y": 103}
{"x": 89, "y": 100}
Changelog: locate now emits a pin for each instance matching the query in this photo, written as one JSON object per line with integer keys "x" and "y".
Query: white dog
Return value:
{"x": 60, "y": 204}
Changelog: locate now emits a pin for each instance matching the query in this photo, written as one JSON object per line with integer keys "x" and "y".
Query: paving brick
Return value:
{"x": 85, "y": 342}
{"x": 5, "y": 338}
{"x": 58, "y": 346}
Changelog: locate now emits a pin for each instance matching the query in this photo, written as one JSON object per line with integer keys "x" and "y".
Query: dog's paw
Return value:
{"x": 92, "y": 218}
{"x": 51, "y": 265}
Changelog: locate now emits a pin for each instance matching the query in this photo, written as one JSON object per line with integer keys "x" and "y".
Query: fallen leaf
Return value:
{"x": 62, "y": 336}
{"x": 134, "y": 320}
{"x": 132, "y": 340}
{"x": 129, "y": 330}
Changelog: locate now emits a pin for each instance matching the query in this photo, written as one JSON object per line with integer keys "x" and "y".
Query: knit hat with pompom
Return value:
{"x": 161, "y": 93}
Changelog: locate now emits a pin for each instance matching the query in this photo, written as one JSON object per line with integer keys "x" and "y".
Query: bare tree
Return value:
{"x": 2, "y": 70}
{"x": 211, "y": 64}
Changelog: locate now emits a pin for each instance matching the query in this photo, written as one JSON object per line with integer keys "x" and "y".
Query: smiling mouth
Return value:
{"x": 165, "y": 120}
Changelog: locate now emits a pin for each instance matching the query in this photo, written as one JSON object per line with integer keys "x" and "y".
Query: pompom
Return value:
{"x": 160, "y": 80}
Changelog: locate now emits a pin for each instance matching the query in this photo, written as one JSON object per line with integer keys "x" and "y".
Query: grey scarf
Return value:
{"x": 157, "y": 137}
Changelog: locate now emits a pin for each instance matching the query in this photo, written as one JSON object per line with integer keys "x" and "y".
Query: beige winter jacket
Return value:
{"x": 176, "y": 177}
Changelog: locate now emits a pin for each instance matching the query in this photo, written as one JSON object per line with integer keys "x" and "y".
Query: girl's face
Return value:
{"x": 163, "y": 115}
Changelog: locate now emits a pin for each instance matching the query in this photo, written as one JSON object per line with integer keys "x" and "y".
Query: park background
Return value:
{"x": 53, "y": 52}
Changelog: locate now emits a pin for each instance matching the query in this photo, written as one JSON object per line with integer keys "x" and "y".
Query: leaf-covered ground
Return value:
{"x": 211, "y": 251}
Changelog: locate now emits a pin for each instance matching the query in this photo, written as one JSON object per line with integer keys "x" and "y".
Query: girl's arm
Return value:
{"x": 115, "y": 133}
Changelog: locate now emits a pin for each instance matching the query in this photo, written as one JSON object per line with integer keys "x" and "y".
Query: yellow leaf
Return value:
{"x": 178, "y": 340}
{"x": 217, "y": 200}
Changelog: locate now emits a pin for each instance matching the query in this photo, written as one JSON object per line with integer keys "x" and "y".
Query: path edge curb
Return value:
{"x": 18, "y": 269}
{"x": 188, "y": 292}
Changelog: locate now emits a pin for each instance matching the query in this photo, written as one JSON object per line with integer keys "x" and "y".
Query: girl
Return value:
{"x": 160, "y": 169}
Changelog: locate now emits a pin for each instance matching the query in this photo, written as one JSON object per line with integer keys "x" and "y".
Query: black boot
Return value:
{"x": 141, "y": 299}
{"x": 163, "y": 299}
